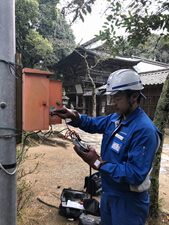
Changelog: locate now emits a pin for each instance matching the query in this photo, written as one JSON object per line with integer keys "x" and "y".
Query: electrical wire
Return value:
{"x": 20, "y": 159}
{"x": 12, "y": 67}
{"x": 48, "y": 133}
{"x": 9, "y": 128}
{"x": 73, "y": 134}
{"x": 12, "y": 63}
{"x": 70, "y": 133}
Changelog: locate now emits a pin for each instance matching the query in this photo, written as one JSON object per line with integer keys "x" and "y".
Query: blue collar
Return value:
{"x": 132, "y": 116}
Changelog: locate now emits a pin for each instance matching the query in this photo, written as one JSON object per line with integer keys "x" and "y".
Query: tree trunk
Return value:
{"x": 93, "y": 92}
{"x": 160, "y": 120}
{"x": 88, "y": 69}
{"x": 94, "y": 102}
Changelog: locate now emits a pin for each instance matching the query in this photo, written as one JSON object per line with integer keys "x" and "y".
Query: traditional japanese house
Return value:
{"x": 76, "y": 70}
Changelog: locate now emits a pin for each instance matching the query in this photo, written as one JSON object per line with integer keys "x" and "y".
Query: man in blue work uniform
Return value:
{"x": 130, "y": 141}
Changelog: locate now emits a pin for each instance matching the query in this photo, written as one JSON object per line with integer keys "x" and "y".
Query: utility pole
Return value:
{"x": 8, "y": 208}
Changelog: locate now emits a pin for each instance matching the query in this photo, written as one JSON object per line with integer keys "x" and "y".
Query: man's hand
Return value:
{"x": 67, "y": 113}
{"x": 91, "y": 157}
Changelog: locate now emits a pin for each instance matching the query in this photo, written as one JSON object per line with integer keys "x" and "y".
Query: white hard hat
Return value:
{"x": 124, "y": 79}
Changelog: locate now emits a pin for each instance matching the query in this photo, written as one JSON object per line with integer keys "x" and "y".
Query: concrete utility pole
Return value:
{"x": 8, "y": 209}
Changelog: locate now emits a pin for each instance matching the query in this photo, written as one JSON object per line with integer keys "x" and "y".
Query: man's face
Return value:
{"x": 119, "y": 103}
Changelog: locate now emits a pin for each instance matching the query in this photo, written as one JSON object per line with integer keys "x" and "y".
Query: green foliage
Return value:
{"x": 47, "y": 17}
{"x": 42, "y": 35}
{"x": 37, "y": 47}
{"x": 78, "y": 8}
{"x": 62, "y": 41}
{"x": 24, "y": 187}
{"x": 24, "y": 193}
{"x": 137, "y": 20}
{"x": 155, "y": 48}
{"x": 41, "y": 45}
{"x": 26, "y": 18}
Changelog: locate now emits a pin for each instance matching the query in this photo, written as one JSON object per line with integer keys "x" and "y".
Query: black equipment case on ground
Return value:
{"x": 74, "y": 197}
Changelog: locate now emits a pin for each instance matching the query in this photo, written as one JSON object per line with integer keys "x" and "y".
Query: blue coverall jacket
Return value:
{"x": 129, "y": 149}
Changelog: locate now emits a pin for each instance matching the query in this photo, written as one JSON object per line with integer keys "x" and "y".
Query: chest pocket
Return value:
{"x": 117, "y": 143}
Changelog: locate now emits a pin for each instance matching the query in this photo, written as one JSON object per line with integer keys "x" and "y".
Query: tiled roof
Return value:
{"x": 154, "y": 77}
{"x": 148, "y": 78}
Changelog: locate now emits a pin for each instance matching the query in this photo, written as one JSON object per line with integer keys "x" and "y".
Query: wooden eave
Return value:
{"x": 74, "y": 59}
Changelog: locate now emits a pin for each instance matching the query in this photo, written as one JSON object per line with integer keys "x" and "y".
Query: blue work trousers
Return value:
{"x": 117, "y": 210}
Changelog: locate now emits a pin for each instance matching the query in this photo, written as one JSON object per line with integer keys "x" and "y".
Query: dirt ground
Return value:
{"x": 59, "y": 168}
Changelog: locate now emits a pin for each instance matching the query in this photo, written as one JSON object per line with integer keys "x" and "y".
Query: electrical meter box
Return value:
{"x": 36, "y": 96}
{"x": 55, "y": 100}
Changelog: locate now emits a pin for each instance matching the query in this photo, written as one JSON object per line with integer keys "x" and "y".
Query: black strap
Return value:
{"x": 47, "y": 203}
{"x": 91, "y": 186}
{"x": 9, "y": 166}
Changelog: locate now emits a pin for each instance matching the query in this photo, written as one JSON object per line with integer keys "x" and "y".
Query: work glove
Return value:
{"x": 90, "y": 157}
{"x": 67, "y": 113}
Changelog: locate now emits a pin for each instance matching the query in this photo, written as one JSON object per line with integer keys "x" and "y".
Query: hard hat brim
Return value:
{"x": 110, "y": 92}
{"x": 115, "y": 92}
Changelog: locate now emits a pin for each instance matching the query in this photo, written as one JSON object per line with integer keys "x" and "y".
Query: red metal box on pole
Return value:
{"x": 35, "y": 99}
